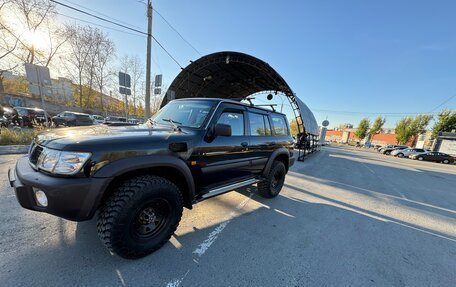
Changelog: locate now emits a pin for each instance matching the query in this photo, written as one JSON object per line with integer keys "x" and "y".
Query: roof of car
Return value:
{"x": 26, "y": 108}
{"x": 76, "y": 113}
{"x": 231, "y": 102}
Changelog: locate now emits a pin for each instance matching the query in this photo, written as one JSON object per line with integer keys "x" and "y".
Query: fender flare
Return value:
{"x": 122, "y": 166}
{"x": 274, "y": 155}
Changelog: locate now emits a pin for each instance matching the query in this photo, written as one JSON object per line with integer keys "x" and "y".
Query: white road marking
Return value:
{"x": 177, "y": 282}
{"x": 204, "y": 246}
{"x": 368, "y": 168}
{"x": 120, "y": 277}
{"x": 283, "y": 212}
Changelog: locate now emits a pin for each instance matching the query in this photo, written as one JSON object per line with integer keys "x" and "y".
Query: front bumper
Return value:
{"x": 70, "y": 198}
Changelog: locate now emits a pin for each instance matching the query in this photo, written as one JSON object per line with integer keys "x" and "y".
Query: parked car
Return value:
{"x": 97, "y": 119}
{"x": 325, "y": 143}
{"x": 32, "y": 116}
{"x": 377, "y": 147}
{"x": 388, "y": 150}
{"x": 139, "y": 178}
{"x": 383, "y": 147}
{"x": 71, "y": 119}
{"x": 407, "y": 152}
{"x": 113, "y": 119}
{"x": 434, "y": 156}
{"x": 133, "y": 121}
{"x": 5, "y": 116}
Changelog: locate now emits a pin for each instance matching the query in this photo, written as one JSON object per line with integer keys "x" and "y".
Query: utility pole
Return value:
{"x": 148, "y": 60}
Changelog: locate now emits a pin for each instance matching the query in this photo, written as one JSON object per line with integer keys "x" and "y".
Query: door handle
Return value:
{"x": 244, "y": 144}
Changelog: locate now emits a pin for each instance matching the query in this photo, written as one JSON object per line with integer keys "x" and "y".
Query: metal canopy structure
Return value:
{"x": 236, "y": 76}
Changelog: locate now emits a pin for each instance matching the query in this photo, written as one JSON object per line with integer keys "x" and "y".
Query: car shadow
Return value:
{"x": 299, "y": 239}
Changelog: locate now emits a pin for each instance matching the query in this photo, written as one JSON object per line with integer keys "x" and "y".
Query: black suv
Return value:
{"x": 72, "y": 119}
{"x": 140, "y": 177}
{"x": 32, "y": 116}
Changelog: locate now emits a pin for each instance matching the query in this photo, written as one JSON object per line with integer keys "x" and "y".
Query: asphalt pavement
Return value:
{"x": 346, "y": 217}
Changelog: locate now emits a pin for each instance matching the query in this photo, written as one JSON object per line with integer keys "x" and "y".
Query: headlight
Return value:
{"x": 61, "y": 162}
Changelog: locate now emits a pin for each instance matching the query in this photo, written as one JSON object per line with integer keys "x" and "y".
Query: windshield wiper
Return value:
{"x": 174, "y": 123}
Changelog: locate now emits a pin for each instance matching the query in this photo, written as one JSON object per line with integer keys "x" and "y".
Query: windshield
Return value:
{"x": 184, "y": 113}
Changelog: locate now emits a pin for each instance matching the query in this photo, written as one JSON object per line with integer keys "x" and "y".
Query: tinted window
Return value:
{"x": 235, "y": 119}
{"x": 258, "y": 125}
{"x": 279, "y": 125}
{"x": 83, "y": 117}
{"x": 419, "y": 150}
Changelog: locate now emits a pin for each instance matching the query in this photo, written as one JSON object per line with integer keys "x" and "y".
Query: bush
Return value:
{"x": 17, "y": 137}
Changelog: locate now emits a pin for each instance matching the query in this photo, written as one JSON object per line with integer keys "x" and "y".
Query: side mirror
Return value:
{"x": 222, "y": 130}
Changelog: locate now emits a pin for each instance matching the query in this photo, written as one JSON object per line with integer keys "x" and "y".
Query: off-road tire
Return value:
{"x": 120, "y": 213}
{"x": 268, "y": 187}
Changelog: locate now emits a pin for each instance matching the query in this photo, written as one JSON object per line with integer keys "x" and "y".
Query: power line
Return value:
{"x": 120, "y": 25}
{"x": 99, "y": 13}
{"x": 166, "y": 51}
{"x": 98, "y": 17}
{"x": 99, "y": 25}
{"x": 177, "y": 32}
{"x": 444, "y": 102}
{"x": 110, "y": 28}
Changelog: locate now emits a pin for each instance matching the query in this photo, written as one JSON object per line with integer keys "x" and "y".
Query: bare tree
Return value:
{"x": 80, "y": 44}
{"x": 34, "y": 15}
{"x": 137, "y": 76}
{"x": 104, "y": 56}
{"x": 19, "y": 45}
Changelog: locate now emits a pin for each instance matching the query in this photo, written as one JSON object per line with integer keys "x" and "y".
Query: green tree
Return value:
{"x": 408, "y": 128}
{"x": 377, "y": 125}
{"x": 363, "y": 127}
{"x": 446, "y": 122}
{"x": 403, "y": 130}
{"x": 419, "y": 126}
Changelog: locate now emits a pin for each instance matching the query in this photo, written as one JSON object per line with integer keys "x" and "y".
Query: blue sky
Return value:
{"x": 362, "y": 56}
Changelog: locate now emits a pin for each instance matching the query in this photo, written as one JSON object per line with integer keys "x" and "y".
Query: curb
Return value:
{"x": 13, "y": 149}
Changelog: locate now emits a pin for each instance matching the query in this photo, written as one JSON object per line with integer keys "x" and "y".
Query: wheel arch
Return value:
{"x": 169, "y": 167}
{"x": 281, "y": 154}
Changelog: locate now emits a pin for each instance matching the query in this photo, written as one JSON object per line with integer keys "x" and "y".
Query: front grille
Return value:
{"x": 35, "y": 152}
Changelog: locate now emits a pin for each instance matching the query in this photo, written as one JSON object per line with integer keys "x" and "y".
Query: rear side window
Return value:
{"x": 279, "y": 125}
{"x": 235, "y": 119}
{"x": 259, "y": 125}
{"x": 83, "y": 117}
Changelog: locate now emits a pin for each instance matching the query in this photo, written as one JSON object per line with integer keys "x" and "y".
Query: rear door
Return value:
{"x": 432, "y": 156}
{"x": 262, "y": 142}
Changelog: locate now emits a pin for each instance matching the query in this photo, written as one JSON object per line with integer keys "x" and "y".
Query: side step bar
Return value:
{"x": 230, "y": 187}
